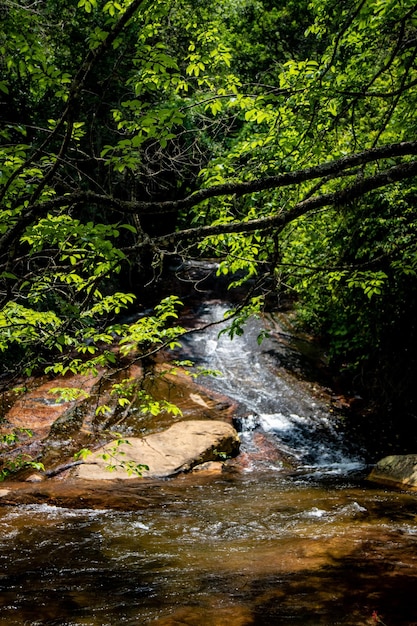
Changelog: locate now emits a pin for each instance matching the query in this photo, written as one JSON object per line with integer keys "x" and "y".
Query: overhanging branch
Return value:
{"x": 332, "y": 168}
{"x": 278, "y": 221}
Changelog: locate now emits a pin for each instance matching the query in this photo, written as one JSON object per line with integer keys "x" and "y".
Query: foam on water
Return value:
{"x": 300, "y": 424}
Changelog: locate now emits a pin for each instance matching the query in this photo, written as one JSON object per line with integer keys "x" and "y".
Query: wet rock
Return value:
{"x": 178, "y": 449}
{"x": 210, "y": 467}
{"x": 396, "y": 471}
{"x": 38, "y": 409}
{"x": 60, "y": 429}
{"x": 119, "y": 495}
{"x": 69, "y": 423}
{"x": 195, "y": 401}
{"x": 35, "y": 478}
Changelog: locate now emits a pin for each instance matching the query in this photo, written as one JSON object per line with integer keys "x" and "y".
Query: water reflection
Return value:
{"x": 246, "y": 550}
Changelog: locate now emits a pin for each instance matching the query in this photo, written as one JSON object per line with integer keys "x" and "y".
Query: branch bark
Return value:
{"x": 332, "y": 168}
{"x": 278, "y": 221}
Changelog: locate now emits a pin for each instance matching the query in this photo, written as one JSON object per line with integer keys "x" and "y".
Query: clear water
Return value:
{"x": 249, "y": 549}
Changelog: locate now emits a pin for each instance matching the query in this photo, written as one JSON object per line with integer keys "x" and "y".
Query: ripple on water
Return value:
{"x": 264, "y": 548}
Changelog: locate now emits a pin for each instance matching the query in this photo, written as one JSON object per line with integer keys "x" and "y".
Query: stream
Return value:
{"x": 296, "y": 536}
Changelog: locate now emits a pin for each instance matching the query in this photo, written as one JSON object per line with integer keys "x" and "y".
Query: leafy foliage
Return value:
{"x": 278, "y": 138}
{"x": 113, "y": 456}
{"x": 11, "y": 464}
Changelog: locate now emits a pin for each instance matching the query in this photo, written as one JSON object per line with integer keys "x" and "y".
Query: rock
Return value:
{"x": 35, "y": 478}
{"x": 177, "y": 449}
{"x": 209, "y": 467}
{"x": 125, "y": 495}
{"x": 396, "y": 471}
{"x": 38, "y": 409}
{"x": 60, "y": 429}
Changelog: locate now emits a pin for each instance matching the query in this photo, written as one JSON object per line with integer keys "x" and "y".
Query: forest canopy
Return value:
{"x": 278, "y": 138}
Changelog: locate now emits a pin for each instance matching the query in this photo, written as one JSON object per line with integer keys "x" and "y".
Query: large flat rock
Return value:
{"x": 397, "y": 471}
{"x": 177, "y": 449}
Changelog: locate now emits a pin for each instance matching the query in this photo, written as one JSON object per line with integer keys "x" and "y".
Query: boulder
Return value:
{"x": 177, "y": 449}
{"x": 396, "y": 471}
{"x": 38, "y": 409}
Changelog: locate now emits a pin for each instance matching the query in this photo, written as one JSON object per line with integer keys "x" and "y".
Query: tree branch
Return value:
{"x": 91, "y": 59}
{"x": 280, "y": 220}
{"x": 332, "y": 168}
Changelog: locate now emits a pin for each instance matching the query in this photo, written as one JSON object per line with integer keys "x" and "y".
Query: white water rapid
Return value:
{"x": 303, "y": 427}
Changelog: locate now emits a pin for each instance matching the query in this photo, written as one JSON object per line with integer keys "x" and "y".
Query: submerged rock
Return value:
{"x": 177, "y": 449}
{"x": 209, "y": 467}
{"x": 396, "y": 471}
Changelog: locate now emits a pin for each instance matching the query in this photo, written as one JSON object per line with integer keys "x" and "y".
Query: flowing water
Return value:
{"x": 295, "y": 537}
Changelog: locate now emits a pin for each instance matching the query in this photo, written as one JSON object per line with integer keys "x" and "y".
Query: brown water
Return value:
{"x": 297, "y": 537}
{"x": 258, "y": 548}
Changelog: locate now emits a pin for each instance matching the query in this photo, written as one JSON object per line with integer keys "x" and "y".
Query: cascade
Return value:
{"x": 303, "y": 427}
